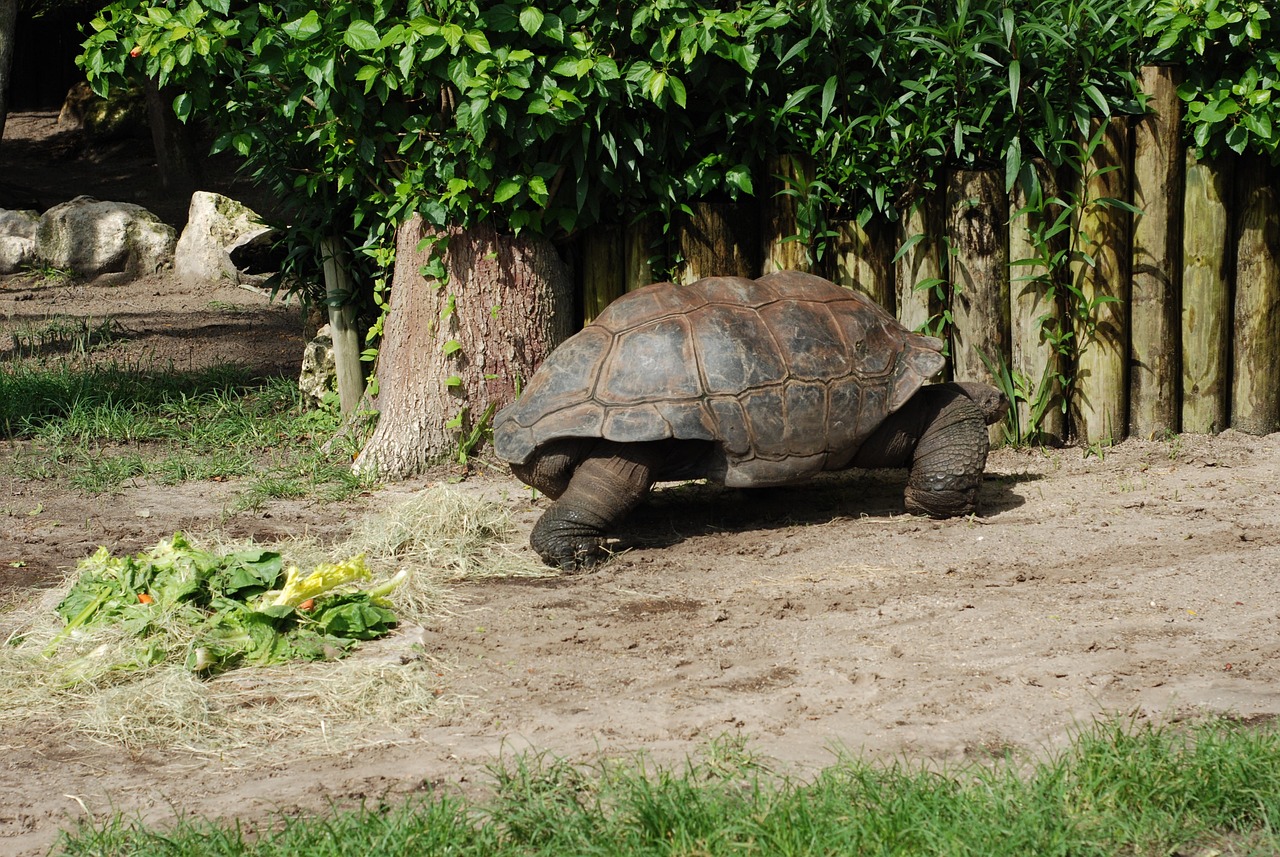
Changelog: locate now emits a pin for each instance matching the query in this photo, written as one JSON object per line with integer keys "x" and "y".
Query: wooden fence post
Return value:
{"x": 861, "y": 258}
{"x": 919, "y": 270}
{"x": 1158, "y": 160}
{"x": 719, "y": 240}
{"x": 793, "y": 173}
{"x": 603, "y": 269}
{"x": 638, "y": 243}
{"x": 976, "y": 213}
{"x": 1035, "y": 311}
{"x": 1100, "y": 406}
{"x": 1206, "y": 308}
{"x": 1255, "y": 379}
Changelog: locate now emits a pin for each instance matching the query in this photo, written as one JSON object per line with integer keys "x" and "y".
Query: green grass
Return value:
{"x": 1118, "y": 790}
{"x": 104, "y": 426}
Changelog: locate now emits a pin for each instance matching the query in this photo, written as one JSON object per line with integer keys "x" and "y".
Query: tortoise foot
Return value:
{"x": 942, "y": 504}
{"x": 567, "y": 542}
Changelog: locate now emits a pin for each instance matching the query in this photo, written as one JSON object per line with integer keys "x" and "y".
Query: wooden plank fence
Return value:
{"x": 1182, "y": 329}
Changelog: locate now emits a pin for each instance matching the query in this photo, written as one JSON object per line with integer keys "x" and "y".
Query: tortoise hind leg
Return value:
{"x": 609, "y": 482}
{"x": 946, "y": 468}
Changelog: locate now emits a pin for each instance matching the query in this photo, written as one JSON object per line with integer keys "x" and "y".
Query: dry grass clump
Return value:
{"x": 378, "y": 694}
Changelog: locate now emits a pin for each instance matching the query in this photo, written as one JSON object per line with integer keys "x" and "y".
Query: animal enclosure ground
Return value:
{"x": 806, "y": 619}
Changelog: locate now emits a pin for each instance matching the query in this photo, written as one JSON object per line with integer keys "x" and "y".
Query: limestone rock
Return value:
{"x": 92, "y": 238}
{"x": 19, "y": 224}
{"x": 217, "y": 226}
{"x": 319, "y": 374}
{"x": 16, "y": 253}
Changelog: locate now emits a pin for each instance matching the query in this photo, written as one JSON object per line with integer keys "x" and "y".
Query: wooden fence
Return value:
{"x": 1174, "y": 311}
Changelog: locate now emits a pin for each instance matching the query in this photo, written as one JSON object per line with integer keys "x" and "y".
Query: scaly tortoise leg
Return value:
{"x": 609, "y": 482}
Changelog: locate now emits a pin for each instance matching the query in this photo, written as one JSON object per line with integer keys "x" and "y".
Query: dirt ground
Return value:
{"x": 811, "y": 619}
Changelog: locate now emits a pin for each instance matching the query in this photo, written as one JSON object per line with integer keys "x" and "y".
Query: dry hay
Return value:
{"x": 377, "y": 695}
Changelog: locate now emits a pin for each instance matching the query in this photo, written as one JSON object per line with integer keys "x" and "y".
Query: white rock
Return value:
{"x": 92, "y": 237}
{"x": 319, "y": 373}
{"x": 16, "y": 253}
{"x": 215, "y": 226}
{"x": 20, "y": 224}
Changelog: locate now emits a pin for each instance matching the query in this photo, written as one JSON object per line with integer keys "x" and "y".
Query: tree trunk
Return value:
{"x": 788, "y": 177}
{"x": 1157, "y": 257}
{"x": 451, "y": 350}
{"x": 1255, "y": 392}
{"x": 1206, "y": 304}
{"x": 1035, "y": 312}
{"x": 919, "y": 270}
{"x": 1100, "y": 403}
{"x": 342, "y": 325}
{"x": 8, "y": 25}
{"x": 719, "y": 240}
{"x": 176, "y": 158}
{"x": 977, "y": 210}
{"x": 861, "y": 258}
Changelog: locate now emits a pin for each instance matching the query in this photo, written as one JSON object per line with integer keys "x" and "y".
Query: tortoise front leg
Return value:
{"x": 608, "y": 483}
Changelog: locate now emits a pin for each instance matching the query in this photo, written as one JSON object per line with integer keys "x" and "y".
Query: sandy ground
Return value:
{"x": 810, "y": 620}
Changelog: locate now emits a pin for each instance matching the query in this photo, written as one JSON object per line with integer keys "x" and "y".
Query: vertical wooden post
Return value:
{"x": 976, "y": 212}
{"x": 1100, "y": 407}
{"x": 1255, "y": 388}
{"x": 719, "y": 240}
{"x": 862, "y": 258}
{"x": 603, "y": 270}
{"x": 638, "y": 246}
{"x": 1036, "y": 311}
{"x": 786, "y": 173}
{"x": 1206, "y": 307}
{"x": 342, "y": 324}
{"x": 1158, "y": 160}
{"x": 919, "y": 270}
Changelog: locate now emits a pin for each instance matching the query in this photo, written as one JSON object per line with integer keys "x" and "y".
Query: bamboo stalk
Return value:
{"x": 1206, "y": 308}
{"x": 918, "y": 272}
{"x": 1158, "y": 161}
{"x": 1255, "y": 390}
{"x": 861, "y": 258}
{"x": 603, "y": 270}
{"x": 976, "y": 212}
{"x": 1036, "y": 318}
{"x": 789, "y": 175}
{"x": 1100, "y": 402}
{"x": 719, "y": 240}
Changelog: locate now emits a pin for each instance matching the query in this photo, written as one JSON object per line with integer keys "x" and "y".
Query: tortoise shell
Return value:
{"x": 788, "y": 375}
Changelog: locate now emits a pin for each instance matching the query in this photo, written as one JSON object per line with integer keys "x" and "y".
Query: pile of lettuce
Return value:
{"x": 179, "y": 604}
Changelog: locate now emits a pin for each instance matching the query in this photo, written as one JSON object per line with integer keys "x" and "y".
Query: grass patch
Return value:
{"x": 104, "y": 426}
{"x": 1211, "y": 788}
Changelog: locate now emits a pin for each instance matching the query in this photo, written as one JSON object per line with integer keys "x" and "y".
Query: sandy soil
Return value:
{"x": 808, "y": 619}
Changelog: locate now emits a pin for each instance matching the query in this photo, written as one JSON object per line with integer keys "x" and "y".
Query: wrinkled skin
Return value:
{"x": 940, "y": 435}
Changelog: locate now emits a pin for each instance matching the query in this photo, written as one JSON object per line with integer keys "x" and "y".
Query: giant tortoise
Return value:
{"x": 741, "y": 382}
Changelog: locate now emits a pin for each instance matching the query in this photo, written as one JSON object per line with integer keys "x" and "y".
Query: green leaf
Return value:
{"x": 302, "y": 28}
{"x": 451, "y": 347}
{"x": 531, "y": 19}
{"x": 828, "y": 99}
{"x": 506, "y": 189}
{"x": 361, "y": 36}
